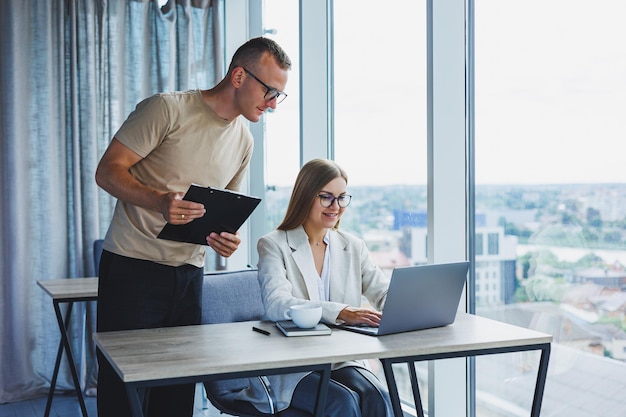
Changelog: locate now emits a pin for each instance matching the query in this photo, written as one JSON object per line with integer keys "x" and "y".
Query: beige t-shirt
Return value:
{"x": 182, "y": 141}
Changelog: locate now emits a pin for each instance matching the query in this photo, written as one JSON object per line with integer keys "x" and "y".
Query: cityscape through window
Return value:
{"x": 550, "y": 195}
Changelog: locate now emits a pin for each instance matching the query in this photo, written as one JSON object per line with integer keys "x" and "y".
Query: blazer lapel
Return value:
{"x": 339, "y": 266}
{"x": 303, "y": 258}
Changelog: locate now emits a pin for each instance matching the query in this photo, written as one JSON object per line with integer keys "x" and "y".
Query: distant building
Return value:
{"x": 618, "y": 348}
{"x": 496, "y": 263}
{"x": 496, "y": 257}
{"x": 387, "y": 260}
{"x": 384, "y": 249}
{"x": 601, "y": 276}
{"x": 403, "y": 219}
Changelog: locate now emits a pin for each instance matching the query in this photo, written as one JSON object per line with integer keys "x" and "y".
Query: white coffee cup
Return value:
{"x": 305, "y": 315}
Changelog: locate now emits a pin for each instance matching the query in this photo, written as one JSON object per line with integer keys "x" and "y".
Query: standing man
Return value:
{"x": 168, "y": 142}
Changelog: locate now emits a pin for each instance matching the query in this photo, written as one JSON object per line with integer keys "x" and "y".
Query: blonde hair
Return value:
{"x": 313, "y": 176}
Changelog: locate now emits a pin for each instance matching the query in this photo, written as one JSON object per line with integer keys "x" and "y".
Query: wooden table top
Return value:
{"x": 193, "y": 351}
{"x": 70, "y": 288}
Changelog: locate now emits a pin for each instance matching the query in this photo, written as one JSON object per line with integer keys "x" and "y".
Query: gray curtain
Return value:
{"x": 70, "y": 73}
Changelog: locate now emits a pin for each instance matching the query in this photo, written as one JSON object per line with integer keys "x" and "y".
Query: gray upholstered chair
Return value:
{"x": 228, "y": 297}
{"x": 97, "y": 254}
{"x": 231, "y": 296}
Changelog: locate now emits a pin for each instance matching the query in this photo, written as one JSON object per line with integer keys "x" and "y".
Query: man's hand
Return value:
{"x": 353, "y": 315}
{"x": 224, "y": 244}
{"x": 175, "y": 210}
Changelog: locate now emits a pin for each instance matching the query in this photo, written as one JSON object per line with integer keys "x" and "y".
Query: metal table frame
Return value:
{"x": 387, "y": 363}
{"x": 70, "y": 294}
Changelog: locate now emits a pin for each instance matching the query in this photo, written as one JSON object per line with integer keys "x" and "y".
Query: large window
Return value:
{"x": 282, "y": 127}
{"x": 380, "y": 128}
{"x": 380, "y": 124}
{"x": 550, "y": 85}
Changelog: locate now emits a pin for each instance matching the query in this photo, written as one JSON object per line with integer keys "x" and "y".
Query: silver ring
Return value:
{"x": 182, "y": 216}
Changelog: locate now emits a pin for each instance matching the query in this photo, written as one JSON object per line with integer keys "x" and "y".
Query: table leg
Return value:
{"x": 542, "y": 373}
{"x": 57, "y": 365}
{"x": 393, "y": 388}
{"x": 322, "y": 391}
{"x": 65, "y": 344}
{"x": 134, "y": 399}
{"x": 417, "y": 398}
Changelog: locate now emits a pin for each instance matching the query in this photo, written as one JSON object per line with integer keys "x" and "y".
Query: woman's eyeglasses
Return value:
{"x": 327, "y": 200}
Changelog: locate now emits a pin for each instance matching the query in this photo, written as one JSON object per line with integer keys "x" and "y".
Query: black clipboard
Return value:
{"x": 226, "y": 211}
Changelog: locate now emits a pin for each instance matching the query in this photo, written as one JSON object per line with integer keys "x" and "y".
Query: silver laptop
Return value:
{"x": 419, "y": 297}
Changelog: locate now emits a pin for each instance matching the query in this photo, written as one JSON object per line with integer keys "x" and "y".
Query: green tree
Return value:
{"x": 593, "y": 218}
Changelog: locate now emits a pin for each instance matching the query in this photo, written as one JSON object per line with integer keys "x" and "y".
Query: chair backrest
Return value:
{"x": 231, "y": 296}
{"x": 97, "y": 254}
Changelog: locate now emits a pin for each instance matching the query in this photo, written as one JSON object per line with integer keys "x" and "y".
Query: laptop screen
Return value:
{"x": 421, "y": 297}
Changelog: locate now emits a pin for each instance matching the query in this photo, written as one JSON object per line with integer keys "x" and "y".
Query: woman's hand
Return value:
{"x": 353, "y": 315}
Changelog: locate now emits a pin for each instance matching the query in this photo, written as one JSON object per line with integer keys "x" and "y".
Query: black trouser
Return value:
{"x": 362, "y": 394}
{"x": 138, "y": 294}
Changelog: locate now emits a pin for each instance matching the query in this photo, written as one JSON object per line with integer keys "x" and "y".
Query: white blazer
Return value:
{"x": 287, "y": 274}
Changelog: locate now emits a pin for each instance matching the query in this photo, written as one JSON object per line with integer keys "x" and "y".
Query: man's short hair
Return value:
{"x": 249, "y": 54}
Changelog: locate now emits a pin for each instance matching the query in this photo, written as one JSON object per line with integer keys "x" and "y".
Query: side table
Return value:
{"x": 67, "y": 290}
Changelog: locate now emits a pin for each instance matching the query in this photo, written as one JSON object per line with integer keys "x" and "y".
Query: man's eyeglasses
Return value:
{"x": 327, "y": 200}
{"x": 270, "y": 92}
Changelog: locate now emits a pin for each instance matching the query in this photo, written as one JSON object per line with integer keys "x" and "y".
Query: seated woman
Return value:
{"x": 309, "y": 259}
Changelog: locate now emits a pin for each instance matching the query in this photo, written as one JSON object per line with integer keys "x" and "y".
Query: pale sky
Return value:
{"x": 550, "y": 91}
